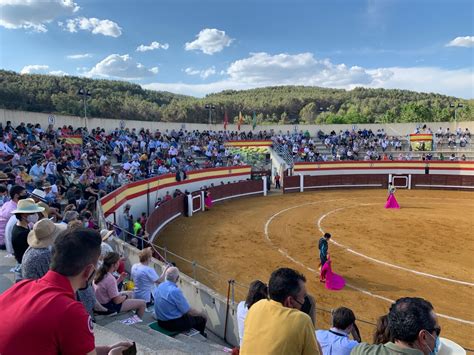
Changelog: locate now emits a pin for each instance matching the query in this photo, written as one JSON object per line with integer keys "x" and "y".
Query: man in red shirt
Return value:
{"x": 43, "y": 316}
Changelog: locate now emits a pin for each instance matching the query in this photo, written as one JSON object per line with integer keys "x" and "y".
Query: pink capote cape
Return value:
{"x": 208, "y": 201}
{"x": 333, "y": 281}
{"x": 391, "y": 202}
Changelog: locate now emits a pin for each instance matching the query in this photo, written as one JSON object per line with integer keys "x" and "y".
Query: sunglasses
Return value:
{"x": 435, "y": 329}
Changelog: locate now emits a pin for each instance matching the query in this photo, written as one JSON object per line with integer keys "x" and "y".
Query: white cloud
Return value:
{"x": 205, "y": 73}
{"x": 153, "y": 45}
{"x": 456, "y": 82}
{"x": 79, "y": 56}
{"x": 35, "y": 69}
{"x": 467, "y": 41}
{"x": 33, "y": 14}
{"x": 262, "y": 69}
{"x": 96, "y": 26}
{"x": 122, "y": 67}
{"x": 191, "y": 71}
{"x": 198, "y": 90}
{"x": 41, "y": 69}
{"x": 209, "y": 41}
{"x": 303, "y": 69}
{"x": 58, "y": 73}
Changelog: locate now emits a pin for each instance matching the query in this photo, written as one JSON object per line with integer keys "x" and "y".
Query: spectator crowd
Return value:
{"x": 68, "y": 273}
{"x": 363, "y": 144}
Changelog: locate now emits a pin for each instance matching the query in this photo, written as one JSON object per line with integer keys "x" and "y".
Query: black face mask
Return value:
{"x": 22, "y": 197}
{"x": 89, "y": 282}
{"x": 306, "y": 306}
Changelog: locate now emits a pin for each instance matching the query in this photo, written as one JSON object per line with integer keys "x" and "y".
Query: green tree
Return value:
{"x": 308, "y": 113}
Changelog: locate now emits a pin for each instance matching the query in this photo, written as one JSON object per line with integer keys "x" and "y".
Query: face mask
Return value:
{"x": 88, "y": 282}
{"x": 22, "y": 197}
{"x": 32, "y": 218}
{"x": 436, "y": 345}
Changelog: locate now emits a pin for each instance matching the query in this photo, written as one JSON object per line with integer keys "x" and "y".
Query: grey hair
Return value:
{"x": 172, "y": 274}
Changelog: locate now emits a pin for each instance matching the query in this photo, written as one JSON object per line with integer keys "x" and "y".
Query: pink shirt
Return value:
{"x": 106, "y": 289}
{"x": 5, "y": 214}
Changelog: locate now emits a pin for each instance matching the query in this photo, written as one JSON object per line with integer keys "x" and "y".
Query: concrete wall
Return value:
{"x": 399, "y": 129}
{"x": 384, "y": 167}
{"x": 278, "y": 164}
{"x": 198, "y": 295}
{"x": 142, "y": 195}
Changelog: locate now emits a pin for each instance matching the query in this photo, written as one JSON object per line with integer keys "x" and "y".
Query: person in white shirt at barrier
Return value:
{"x": 145, "y": 277}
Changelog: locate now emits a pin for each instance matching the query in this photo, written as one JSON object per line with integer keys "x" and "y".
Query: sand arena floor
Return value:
{"x": 424, "y": 249}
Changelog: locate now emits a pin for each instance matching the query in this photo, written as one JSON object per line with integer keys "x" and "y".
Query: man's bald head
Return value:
{"x": 172, "y": 274}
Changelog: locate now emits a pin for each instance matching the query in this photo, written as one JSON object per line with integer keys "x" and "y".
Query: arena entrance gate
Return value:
{"x": 400, "y": 181}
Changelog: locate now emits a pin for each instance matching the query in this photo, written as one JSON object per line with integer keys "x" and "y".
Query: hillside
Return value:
{"x": 282, "y": 104}
{"x": 58, "y": 94}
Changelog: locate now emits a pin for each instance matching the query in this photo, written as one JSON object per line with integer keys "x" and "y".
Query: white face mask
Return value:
{"x": 32, "y": 218}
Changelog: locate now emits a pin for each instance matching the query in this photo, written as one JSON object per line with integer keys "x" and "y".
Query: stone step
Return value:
{"x": 151, "y": 340}
{"x": 7, "y": 278}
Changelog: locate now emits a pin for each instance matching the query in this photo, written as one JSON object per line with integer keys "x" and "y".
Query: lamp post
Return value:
{"x": 210, "y": 107}
{"x": 456, "y": 107}
{"x": 85, "y": 94}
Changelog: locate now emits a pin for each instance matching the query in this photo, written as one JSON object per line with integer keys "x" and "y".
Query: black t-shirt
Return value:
{"x": 19, "y": 241}
{"x": 60, "y": 167}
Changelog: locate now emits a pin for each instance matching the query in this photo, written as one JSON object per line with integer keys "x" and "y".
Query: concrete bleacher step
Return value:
{"x": 149, "y": 341}
{"x": 7, "y": 278}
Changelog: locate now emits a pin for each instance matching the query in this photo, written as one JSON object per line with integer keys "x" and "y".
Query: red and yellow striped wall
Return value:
{"x": 421, "y": 137}
{"x": 249, "y": 143}
{"x": 301, "y": 168}
{"x": 115, "y": 199}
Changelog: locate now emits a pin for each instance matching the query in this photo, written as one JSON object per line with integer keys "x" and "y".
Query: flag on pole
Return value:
{"x": 226, "y": 120}
{"x": 254, "y": 121}
{"x": 241, "y": 120}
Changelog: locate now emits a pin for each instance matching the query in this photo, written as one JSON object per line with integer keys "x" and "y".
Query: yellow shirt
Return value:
{"x": 271, "y": 328}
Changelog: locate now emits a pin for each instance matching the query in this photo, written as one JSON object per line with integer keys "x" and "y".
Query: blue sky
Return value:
{"x": 198, "y": 47}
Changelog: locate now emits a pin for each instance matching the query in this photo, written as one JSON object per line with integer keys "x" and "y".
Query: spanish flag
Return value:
{"x": 226, "y": 120}
{"x": 73, "y": 140}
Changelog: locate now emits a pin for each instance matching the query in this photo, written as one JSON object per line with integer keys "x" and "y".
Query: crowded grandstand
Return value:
{"x": 55, "y": 182}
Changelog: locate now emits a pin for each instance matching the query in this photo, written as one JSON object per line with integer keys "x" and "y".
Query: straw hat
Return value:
{"x": 46, "y": 185}
{"x": 46, "y": 208}
{"x": 3, "y": 176}
{"x": 39, "y": 194}
{"x": 27, "y": 205}
{"x": 449, "y": 347}
{"x": 44, "y": 232}
{"x": 105, "y": 234}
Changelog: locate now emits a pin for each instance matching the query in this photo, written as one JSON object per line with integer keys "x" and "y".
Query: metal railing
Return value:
{"x": 86, "y": 138}
{"x": 234, "y": 290}
{"x": 283, "y": 153}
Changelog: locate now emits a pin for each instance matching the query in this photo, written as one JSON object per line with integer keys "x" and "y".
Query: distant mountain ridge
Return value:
{"x": 279, "y": 104}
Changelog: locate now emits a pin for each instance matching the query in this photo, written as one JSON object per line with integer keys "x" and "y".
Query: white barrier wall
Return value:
{"x": 278, "y": 164}
{"x": 398, "y": 129}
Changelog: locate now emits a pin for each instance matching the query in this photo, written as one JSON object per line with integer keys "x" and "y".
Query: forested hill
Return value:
{"x": 281, "y": 104}
{"x": 59, "y": 94}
